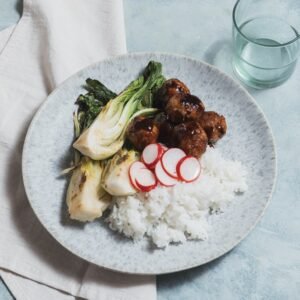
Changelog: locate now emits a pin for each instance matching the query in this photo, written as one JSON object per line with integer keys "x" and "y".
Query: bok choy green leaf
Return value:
{"x": 106, "y": 134}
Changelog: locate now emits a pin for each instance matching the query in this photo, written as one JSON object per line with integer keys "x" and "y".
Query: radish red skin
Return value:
{"x": 133, "y": 183}
{"x": 144, "y": 179}
{"x": 145, "y": 189}
{"x": 179, "y": 172}
{"x": 195, "y": 178}
{"x": 145, "y": 149}
{"x": 166, "y": 174}
{"x": 160, "y": 152}
{"x": 164, "y": 147}
{"x": 165, "y": 169}
{"x": 152, "y": 166}
{"x": 131, "y": 177}
{"x": 178, "y": 167}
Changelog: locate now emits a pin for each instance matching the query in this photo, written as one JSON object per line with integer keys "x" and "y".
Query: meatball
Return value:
{"x": 191, "y": 138}
{"x": 184, "y": 107}
{"x": 214, "y": 125}
{"x": 170, "y": 88}
{"x": 165, "y": 129}
{"x": 142, "y": 132}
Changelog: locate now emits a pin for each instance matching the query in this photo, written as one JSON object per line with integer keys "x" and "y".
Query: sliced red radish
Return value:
{"x": 134, "y": 171}
{"x": 145, "y": 180}
{"x": 151, "y": 155}
{"x": 165, "y": 148}
{"x": 188, "y": 168}
{"x": 170, "y": 160}
{"x": 162, "y": 176}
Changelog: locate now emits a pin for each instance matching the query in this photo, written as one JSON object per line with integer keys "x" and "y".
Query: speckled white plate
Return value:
{"x": 47, "y": 151}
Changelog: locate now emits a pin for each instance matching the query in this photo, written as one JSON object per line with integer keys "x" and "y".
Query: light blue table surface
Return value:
{"x": 266, "y": 265}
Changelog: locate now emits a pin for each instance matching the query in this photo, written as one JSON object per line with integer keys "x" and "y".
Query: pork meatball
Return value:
{"x": 165, "y": 129}
{"x": 170, "y": 88}
{"x": 184, "y": 107}
{"x": 191, "y": 138}
{"x": 142, "y": 132}
{"x": 214, "y": 125}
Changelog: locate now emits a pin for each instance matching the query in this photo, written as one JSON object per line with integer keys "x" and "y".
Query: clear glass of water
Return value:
{"x": 266, "y": 41}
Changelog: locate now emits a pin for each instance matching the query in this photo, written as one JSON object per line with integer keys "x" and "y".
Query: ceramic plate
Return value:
{"x": 47, "y": 152}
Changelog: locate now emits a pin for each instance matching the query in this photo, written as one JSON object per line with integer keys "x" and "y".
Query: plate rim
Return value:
{"x": 237, "y": 84}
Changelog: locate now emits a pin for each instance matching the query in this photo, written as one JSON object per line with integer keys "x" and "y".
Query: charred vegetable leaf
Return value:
{"x": 100, "y": 124}
{"x": 99, "y": 90}
{"x": 107, "y": 133}
{"x": 86, "y": 199}
{"x": 90, "y": 104}
{"x": 115, "y": 177}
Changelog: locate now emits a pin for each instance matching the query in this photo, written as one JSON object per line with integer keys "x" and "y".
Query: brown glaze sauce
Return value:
{"x": 191, "y": 102}
{"x": 144, "y": 124}
{"x": 174, "y": 85}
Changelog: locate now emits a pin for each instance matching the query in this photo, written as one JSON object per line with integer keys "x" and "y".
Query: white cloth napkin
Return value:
{"x": 53, "y": 39}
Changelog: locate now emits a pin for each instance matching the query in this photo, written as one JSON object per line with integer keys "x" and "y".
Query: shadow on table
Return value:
{"x": 19, "y": 7}
{"x": 220, "y": 55}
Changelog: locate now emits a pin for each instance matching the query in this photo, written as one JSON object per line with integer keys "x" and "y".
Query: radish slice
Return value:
{"x": 170, "y": 160}
{"x": 151, "y": 155}
{"x": 163, "y": 178}
{"x": 145, "y": 180}
{"x": 188, "y": 168}
{"x": 134, "y": 171}
{"x": 165, "y": 148}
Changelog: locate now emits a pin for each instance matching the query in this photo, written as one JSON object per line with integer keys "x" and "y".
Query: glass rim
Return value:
{"x": 253, "y": 41}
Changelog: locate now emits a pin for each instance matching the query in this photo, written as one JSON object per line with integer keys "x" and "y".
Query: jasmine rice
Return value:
{"x": 176, "y": 214}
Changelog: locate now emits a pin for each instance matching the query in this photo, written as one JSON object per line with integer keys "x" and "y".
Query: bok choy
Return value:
{"x": 106, "y": 134}
{"x": 86, "y": 198}
{"x": 115, "y": 177}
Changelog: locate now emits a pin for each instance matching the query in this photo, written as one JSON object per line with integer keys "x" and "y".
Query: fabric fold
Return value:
{"x": 53, "y": 40}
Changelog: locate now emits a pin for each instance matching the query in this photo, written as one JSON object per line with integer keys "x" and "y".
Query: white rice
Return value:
{"x": 180, "y": 213}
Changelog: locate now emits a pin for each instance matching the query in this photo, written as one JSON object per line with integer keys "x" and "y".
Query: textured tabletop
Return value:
{"x": 266, "y": 265}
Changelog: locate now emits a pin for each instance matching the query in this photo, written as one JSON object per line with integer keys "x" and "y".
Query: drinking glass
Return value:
{"x": 266, "y": 41}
